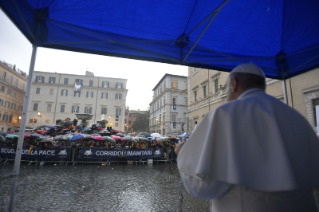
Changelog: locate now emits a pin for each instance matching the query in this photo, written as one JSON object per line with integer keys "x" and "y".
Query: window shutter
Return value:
{"x": 72, "y": 109}
{"x": 92, "y": 94}
{"x": 77, "y": 109}
{"x": 62, "y": 92}
{"x": 101, "y": 95}
{"x": 66, "y": 92}
{"x": 87, "y": 94}
{"x": 106, "y": 95}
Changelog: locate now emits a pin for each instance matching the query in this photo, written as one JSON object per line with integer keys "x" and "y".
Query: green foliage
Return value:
{"x": 141, "y": 122}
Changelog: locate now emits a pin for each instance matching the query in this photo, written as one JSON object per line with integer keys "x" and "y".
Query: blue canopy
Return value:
{"x": 280, "y": 36}
{"x": 184, "y": 135}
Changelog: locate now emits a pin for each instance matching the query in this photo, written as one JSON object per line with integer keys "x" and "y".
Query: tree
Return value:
{"x": 141, "y": 122}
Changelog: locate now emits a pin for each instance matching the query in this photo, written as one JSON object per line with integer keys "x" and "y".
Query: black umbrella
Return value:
{"x": 2, "y": 138}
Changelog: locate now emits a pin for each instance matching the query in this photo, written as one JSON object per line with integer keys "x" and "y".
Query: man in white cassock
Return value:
{"x": 253, "y": 153}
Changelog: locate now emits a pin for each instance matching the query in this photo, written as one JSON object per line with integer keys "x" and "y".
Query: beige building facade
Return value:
{"x": 168, "y": 109}
{"x": 207, "y": 90}
{"x": 13, "y": 84}
{"x": 54, "y": 96}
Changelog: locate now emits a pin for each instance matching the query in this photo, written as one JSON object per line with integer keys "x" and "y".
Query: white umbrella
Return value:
{"x": 156, "y": 135}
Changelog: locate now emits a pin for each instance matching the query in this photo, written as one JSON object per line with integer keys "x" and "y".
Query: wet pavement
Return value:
{"x": 122, "y": 187}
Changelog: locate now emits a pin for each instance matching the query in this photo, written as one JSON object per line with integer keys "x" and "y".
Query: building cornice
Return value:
{"x": 313, "y": 89}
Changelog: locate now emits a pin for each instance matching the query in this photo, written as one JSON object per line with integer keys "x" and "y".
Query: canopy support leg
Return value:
{"x": 22, "y": 129}
{"x": 285, "y": 91}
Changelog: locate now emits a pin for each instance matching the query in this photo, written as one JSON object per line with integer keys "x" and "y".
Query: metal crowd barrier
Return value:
{"x": 168, "y": 157}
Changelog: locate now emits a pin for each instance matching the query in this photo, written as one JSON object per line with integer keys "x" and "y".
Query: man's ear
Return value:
{"x": 234, "y": 84}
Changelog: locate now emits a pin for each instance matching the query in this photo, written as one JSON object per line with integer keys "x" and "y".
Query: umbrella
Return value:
{"x": 156, "y": 135}
{"x": 100, "y": 138}
{"x": 42, "y": 126}
{"x": 116, "y": 138}
{"x": 67, "y": 124}
{"x": 109, "y": 139}
{"x": 12, "y": 136}
{"x": 35, "y": 135}
{"x": 2, "y": 138}
{"x": 184, "y": 135}
{"x": 51, "y": 127}
{"x": 77, "y": 136}
{"x": 109, "y": 125}
{"x": 86, "y": 129}
{"x": 69, "y": 136}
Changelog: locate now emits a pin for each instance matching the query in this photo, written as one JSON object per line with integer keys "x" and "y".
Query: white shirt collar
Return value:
{"x": 249, "y": 91}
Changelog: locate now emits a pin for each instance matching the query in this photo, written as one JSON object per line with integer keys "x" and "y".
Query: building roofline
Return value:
{"x": 166, "y": 75}
{"x": 78, "y": 75}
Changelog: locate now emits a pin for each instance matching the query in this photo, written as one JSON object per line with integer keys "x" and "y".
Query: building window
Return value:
{"x": 79, "y": 80}
{"x": 13, "y": 106}
{"x": 15, "y": 94}
{"x": 105, "y": 84}
{"x": 5, "y": 118}
{"x": 104, "y": 95}
{"x": 49, "y": 107}
{"x": 89, "y": 94}
{"x": 88, "y": 109}
{"x": 173, "y": 118}
{"x": 22, "y": 96}
{"x": 174, "y": 84}
{"x": 66, "y": 81}
{"x": 51, "y": 91}
{"x": 34, "y": 121}
{"x": 119, "y": 85}
{"x": 7, "y": 104}
{"x": 23, "y": 86}
{"x": 103, "y": 110}
{"x": 11, "y": 79}
{"x": 62, "y": 108}
{"x": 204, "y": 91}
{"x": 75, "y": 109}
{"x": 20, "y": 108}
{"x": 4, "y": 76}
{"x": 39, "y": 79}
{"x": 37, "y": 91}
{"x": 9, "y": 91}
{"x": 118, "y": 111}
{"x": 116, "y": 124}
{"x": 129, "y": 122}
{"x": 315, "y": 102}
{"x": 118, "y": 96}
{"x": 17, "y": 82}
{"x": 35, "y": 106}
{"x": 10, "y": 118}
{"x": 77, "y": 94}
{"x": 3, "y": 88}
{"x": 216, "y": 85}
{"x": 91, "y": 83}
{"x": 64, "y": 92}
{"x": 1, "y": 102}
{"x": 195, "y": 96}
{"x": 52, "y": 80}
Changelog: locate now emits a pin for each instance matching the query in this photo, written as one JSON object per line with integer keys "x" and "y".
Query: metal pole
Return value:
{"x": 285, "y": 90}
{"x": 22, "y": 128}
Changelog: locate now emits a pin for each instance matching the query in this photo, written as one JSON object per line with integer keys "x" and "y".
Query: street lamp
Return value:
{"x": 19, "y": 119}
{"x": 39, "y": 114}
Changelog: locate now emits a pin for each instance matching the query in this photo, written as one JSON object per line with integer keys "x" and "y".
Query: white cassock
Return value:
{"x": 250, "y": 152}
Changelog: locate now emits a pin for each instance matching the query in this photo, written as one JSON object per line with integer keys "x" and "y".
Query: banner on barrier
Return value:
{"x": 98, "y": 153}
{"x": 36, "y": 152}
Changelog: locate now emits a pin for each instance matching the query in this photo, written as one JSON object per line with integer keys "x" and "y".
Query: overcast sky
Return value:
{"x": 142, "y": 76}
